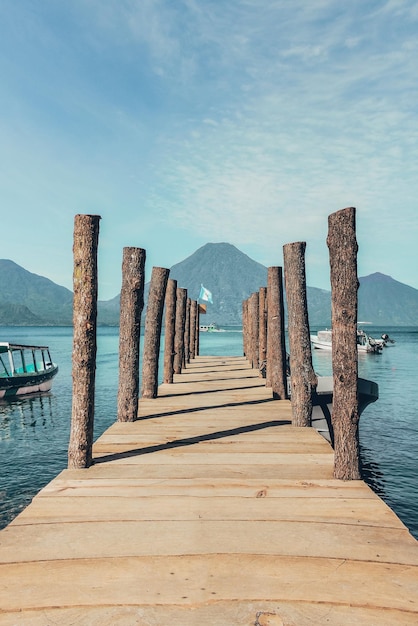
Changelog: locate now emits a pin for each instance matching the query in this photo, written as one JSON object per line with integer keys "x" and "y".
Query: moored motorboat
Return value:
{"x": 25, "y": 369}
{"x": 210, "y": 328}
{"x": 323, "y": 341}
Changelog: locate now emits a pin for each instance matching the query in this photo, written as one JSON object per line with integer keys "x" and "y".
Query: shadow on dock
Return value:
{"x": 189, "y": 441}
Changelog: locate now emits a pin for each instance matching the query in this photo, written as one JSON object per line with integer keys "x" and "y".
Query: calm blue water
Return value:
{"x": 34, "y": 432}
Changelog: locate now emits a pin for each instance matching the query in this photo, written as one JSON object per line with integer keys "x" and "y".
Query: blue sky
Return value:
{"x": 192, "y": 121}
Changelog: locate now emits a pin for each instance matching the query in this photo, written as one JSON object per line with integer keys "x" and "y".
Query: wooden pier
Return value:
{"x": 209, "y": 510}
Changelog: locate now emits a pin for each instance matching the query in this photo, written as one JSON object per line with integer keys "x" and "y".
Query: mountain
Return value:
{"x": 37, "y": 299}
{"x": 231, "y": 276}
{"x": 18, "y": 315}
{"x": 108, "y": 312}
{"x": 27, "y": 299}
{"x": 387, "y": 302}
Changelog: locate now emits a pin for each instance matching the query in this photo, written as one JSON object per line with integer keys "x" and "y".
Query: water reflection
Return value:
{"x": 33, "y": 443}
{"x": 21, "y": 413}
{"x": 372, "y": 473}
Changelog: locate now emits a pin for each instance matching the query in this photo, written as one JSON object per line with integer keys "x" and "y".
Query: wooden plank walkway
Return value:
{"x": 211, "y": 510}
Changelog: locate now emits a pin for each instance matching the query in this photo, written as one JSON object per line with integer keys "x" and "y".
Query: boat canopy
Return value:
{"x": 5, "y": 346}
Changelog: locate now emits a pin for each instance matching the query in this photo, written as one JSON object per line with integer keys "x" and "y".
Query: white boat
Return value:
{"x": 25, "y": 369}
{"x": 365, "y": 343}
{"x": 210, "y": 328}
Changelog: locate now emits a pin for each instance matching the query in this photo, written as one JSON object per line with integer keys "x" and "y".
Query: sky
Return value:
{"x": 183, "y": 122}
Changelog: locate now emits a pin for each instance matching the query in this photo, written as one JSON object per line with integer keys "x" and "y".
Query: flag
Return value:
{"x": 205, "y": 294}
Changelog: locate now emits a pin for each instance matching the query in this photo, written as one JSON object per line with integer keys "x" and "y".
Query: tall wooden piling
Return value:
{"x": 276, "y": 377}
{"x": 197, "y": 336}
{"x": 152, "y": 335}
{"x": 343, "y": 248}
{"x": 131, "y": 306}
{"x": 245, "y": 348}
{"x": 169, "y": 330}
{"x": 254, "y": 326}
{"x": 262, "y": 330}
{"x": 181, "y": 299}
{"x": 303, "y": 378}
{"x": 193, "y": 329}
{"x": 247, "y": 330}
{"x": 186, "y": 348}
{"x": 86, "y": 237}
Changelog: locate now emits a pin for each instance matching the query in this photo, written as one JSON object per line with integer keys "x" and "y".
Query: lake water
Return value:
{"x": 34, "y": 432}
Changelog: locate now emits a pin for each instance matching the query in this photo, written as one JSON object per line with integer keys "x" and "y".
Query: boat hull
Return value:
{"x": 322, "y": 345}
{"x": 365, "y": 344}
{"x": 211, "y": 328}
{"x": 26, "y": 384}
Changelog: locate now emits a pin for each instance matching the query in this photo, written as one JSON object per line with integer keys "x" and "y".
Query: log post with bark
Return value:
{"x": 186, "y": 347}
{"x": 152, "y": 335}
{"x": 169, "y": 330}
{"x": 245, "y": 343}
{"x": 197, "y": 336}
{"x": 262, "y": 331}
{"x": 254, "y": 332}
{"x": 276, "y": 376}
{"x": 181, "y": 299}
{"x": 343, "y": 248}
{"x": 303, "y": 379}
{"x": 86, "y": 237}
{"x": 193, "y": 316}
{"x": 248, "y": 333}
{"x": 131, "y": 306}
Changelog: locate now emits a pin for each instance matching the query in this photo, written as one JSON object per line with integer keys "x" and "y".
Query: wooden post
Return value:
{"x": 262, "y": 331}
{"x": 248, "y": 329}
{"x": 343, "y": 248}
{"x": 169, "y": 330}
{"x": 254, "y": 321}
{"x": 131, "y": 305}
{"x": 276, "y": 344}
{"x": 245, "y": 328}
{"x": 248, "y": 333}
{"x": 197, "y": 336}
{"x": 303, "y": 378}
{"x": 86, "y": 237}
{"x": 186, "y": 349}
{"x": 180, "y": 324}
{"x": 152, "y": 335}
{"x": 193, "y": 314}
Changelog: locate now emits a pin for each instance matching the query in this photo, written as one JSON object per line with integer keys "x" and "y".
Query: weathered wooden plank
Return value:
{"x": 135, "y": 506}
{"x": 110, "y": 482}
{"x": 197, "y": 580}
{"x": 244, "y": 613}
{"x": 213, "y": 442}
{"x": 108, "y": 539}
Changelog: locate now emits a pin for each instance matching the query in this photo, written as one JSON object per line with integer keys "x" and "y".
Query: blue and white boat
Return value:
{"x": 25, "y": 369}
